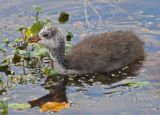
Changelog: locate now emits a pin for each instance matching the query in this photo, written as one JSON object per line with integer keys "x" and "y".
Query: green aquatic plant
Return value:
{"x": 3, "y": 107}
{"x": 27, "y": 55}
{"x": 37, "y": 9}
{"x": 19, "y": 106}
{"x": 63, "y": 17}
{"x": 137, "y": 84}
{"x": 69, "y": 36}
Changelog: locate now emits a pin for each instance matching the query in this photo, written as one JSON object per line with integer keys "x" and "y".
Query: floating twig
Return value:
{"x": 85, "y": 11}
{"x": 87, "y": 2}
{"x": 95, "y": 10}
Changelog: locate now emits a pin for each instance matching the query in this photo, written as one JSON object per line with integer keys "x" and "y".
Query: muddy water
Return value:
{"x": 93, "y": 95}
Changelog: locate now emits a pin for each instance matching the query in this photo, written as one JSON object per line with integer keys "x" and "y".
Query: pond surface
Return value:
{"x": 91, "y": 95}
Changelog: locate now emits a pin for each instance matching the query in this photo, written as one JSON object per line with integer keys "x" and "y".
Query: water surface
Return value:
{"x": 92, "y": 95}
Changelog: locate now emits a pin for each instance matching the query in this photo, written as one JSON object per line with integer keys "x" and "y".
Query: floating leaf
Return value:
{"x": 3, "y": 108}
{"x": 21, "y": 29}
{"x": 16, "y": 59}
{"x": 69, "y": 36}
{"x": 7, "y": 60}
{"x": 63, "y": 18}
{"x": 27, "y": 55}
{"x": 18, "y": 40}
{"x": 52, "y": 73}
{"x": 19, "y": 106}
{"x": 36, "y": 27}
{"x": 2, "y": 49}
{"x": 6, "y": 41}
{"x": 139, "y": 83}
{"x": 6, "y": 70}
{"x": 41, "y": 52}
{"x": 4, "y": 99}
{"x": 1, "y": 81}
{"x": 54, "y": 106}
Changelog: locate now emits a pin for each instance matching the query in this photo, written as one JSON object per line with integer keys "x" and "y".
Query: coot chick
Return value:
{"x": 101, "y": 53}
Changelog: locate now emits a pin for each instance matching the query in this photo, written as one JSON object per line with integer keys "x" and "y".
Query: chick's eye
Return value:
{"x": 45, "y": 35}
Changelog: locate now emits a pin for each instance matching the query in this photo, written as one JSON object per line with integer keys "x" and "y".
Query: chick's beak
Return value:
{"x": 35, "y": 39}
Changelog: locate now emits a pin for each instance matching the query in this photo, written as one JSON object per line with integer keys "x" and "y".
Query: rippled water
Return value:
{"x": 95, "y": 94}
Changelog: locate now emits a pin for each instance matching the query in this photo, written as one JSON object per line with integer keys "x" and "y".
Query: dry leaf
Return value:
{"x": 54, "y": 106}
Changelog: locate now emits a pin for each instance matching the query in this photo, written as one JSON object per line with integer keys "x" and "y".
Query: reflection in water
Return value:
{"x": 57, "y": 100}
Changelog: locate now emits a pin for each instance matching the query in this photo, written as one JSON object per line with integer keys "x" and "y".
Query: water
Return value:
{"x": 92, "y": 95}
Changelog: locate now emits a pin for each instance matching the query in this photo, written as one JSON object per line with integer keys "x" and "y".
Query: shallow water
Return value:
{"x": 94, "y": 94}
